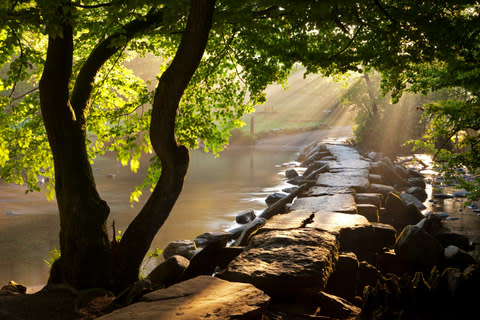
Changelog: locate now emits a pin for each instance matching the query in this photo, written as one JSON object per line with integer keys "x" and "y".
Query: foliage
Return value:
{"x": 154, "y": 254}
{"x": 453, "y": 139}
{"x": 379, "y": 125}
{"x": 415, "y": 45}
{"x": 53, "y": 255}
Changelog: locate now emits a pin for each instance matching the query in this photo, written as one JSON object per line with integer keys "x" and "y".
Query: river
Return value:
{"x": 215, "y": 190}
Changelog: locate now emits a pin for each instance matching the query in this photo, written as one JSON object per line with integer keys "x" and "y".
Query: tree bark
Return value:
{"x": 374, "y": 110}
{"x": 84, "y": 245}
{"x": 137, "y": 238}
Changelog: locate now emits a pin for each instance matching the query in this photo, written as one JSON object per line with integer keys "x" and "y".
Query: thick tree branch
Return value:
{"x": 84, "y": 84}
{"x": 174, "y": 158}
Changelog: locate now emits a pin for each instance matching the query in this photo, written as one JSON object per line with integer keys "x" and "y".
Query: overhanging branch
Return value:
{"x": 103, "y": 51}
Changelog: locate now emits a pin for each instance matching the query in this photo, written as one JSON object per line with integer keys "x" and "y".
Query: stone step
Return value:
{"x": 286, "y": 263}
{"x": 341, "y": 202}
{"x": 203, "y": 297}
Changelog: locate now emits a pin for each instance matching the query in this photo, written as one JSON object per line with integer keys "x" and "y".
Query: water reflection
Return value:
{"x": 215, "y": 190}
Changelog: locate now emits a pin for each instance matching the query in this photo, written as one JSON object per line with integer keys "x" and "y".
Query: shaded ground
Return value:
{"x": 58, "y": 304}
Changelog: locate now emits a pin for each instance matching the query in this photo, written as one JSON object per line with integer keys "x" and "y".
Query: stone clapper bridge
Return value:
{"x": 291, "y": 251}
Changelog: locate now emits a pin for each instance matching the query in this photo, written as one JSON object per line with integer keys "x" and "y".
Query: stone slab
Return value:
{"x": 317, "y": 191}
{"x": 336, "y": 221}
{"x": 370, "y": 198}
{"x": 329, "y": 221}
{"x": 340, "y": 179}
{"x": 203, "y": 297}
{"x": 284, "y": 263}
{"x": 335, "y": 203}
{"x": 347, "y": 157}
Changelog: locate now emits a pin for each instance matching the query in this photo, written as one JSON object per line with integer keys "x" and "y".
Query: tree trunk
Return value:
{"x": 374, "y": 110}
{"x": 137, "y": 238}
{"x": 84, "y": 244}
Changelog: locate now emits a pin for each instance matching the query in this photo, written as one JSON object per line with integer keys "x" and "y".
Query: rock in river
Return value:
{"x": 245, "y": 216}
{"x": 286, "y": 262}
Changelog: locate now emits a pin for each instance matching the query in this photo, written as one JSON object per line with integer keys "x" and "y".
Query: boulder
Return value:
{"x": 284, "y": 263}
{"x": 297, "y": 180}
{"x": 13, "y": 288}
{"x": 374, "y": 156}
{"x": 133, "y": 293}
{"x": 418, "y": 192}
{"x": 312, "y": 176}
{"x": 411, "y": 199}
{"x": 414, "y": 173}
{"x": 249, "y": 228}
{"x": 281, "y": 205}
{"x": 398, "y": 213}
{"x": 202, "y": 297}
{"x": 417, "y": 247}
{"x": 375, "y": 178}
{"x": 245, "y": 216}
{"x": 448, "y": 238}
{"x": 290, "y": 189}
{"x": 367, "y": 275}
{"x": 401, "y": 171}
{"x": 366, "y": 239}
{"x": 312, "y": 148}
{"x": 328, "y": 158}
{"x": 343, "y": 280}
{"x": 442, "y": 196}
{"x": 380, "y": 188}
{"x": 336, "y": 307}
{"x": 206, "y": 260}
{"x": 168, "y": 272}
{"x": 184, "y": 248}
{"x": 320, "y": 166}
{"x": 456, "y": 257}
{"x": 291, "y": 173}
{"x": 314, "y": 157}
{"x": 432, "y": 224}
{"x": 274, "y": 197}
{"x": 461, "y": 194}
{"x": 369, "y": 211}
{"x": 207, "y": 238}
{"x": 417, "y": 182}
{"x": 389, "y": 262}
{"x": 337, "y": 202}
{"x": 388, "y": 172}
{"x": 370, "y": 198}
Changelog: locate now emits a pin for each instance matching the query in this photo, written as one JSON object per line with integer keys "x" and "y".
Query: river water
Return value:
{"x": 215, "y": 190}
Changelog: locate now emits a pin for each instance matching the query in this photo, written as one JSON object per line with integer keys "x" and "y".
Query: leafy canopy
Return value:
{"x": 415, "y": 45}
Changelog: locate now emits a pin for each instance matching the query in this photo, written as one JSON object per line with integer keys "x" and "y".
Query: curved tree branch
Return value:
{"x": 84, "y": 83}
{"x": 174, "y": 157}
